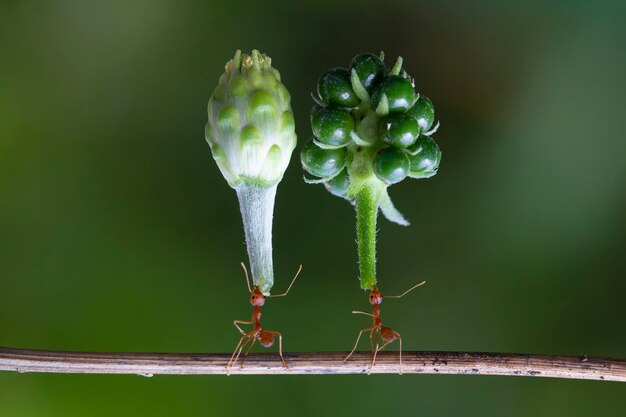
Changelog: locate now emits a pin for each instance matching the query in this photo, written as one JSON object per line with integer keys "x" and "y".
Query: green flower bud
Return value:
{"x": 322, "y": 162}
{"x": 398, "y": 130}
{"x": 424, "y": 112}
{"x": 334, "y": 87}
{"x": 391, "y": 165}
{"x": 332, "y": 125}
{"x": 370, "y": 69}
{"x": 251, "y": 128}
{"x": 424, "y": 158}
{"x": 399, "y": 92}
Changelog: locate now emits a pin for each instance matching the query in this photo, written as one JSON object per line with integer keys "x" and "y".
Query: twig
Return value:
{"x": 462, "y": 363}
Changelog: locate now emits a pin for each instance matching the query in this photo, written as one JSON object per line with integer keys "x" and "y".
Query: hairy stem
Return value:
{"x": 257, "y": 210}
{"x": 367, "y": 200}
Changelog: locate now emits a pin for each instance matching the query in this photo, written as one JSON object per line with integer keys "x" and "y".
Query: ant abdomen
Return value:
{"x": 266, "y": 339}
{"x": 388, "y": 334}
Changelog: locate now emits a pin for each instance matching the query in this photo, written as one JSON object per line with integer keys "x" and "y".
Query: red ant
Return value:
{"x": 387, "y": 334}
{"x": 265, "y": 337}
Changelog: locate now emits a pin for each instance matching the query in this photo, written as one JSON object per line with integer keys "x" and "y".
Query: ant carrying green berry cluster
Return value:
{"x": 371, "y": 130}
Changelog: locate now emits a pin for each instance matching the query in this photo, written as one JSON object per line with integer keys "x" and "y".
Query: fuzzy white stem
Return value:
{"x": 257, "y": 210}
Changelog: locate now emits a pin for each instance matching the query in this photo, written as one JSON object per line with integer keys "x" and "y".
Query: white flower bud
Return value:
{"x": 251, "y": 128}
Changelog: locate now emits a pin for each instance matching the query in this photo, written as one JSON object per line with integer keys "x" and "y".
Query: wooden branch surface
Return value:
{"x": 323, "y": 363}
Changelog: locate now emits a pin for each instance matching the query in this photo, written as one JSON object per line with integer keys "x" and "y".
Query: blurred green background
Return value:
{"x": 117, "y": 232}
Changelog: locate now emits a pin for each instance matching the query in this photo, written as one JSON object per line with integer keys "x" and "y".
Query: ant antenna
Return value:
{"x": 245, "y": 271}
{"x": 406, "y": 292}
{"x": 292, "y": 281}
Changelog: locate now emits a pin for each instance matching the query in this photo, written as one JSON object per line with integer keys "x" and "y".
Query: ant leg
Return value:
{"x": 235, "y": 357}
{"x": 250, "y": 338}
{"x": 245, "y": 355}
{"x": 399, "y": 341}
{"x": 357, "y": 342}
{"x": 280, "y": 347}
{"x": 229, "y": 364}
{"x": 236, "y": 322}
{"x": 375, "y": 353}
{"x": 367, "y": 314}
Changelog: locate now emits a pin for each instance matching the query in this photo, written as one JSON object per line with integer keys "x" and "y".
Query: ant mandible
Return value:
{"x": 377, "y": 329}
{"x": 265, "y": 337}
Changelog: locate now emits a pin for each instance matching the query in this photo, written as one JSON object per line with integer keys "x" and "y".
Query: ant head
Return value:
{"x": 266, "y": 339}
{"x": 375, "y": 296}
{"x": 257, "y": 298}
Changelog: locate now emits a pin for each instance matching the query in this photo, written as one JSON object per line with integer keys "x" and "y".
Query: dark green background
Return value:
{"x": 117, "y": 232}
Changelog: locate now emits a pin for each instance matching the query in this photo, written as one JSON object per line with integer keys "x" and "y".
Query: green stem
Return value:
{"x": 367, "y": 200}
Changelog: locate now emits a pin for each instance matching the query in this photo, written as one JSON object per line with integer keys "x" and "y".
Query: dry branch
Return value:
{"x": 460, "y": 363}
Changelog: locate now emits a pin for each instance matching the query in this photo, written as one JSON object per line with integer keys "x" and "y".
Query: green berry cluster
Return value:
{"x": 369, "y": 123}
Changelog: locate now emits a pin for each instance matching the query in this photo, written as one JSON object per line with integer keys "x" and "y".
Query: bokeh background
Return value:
{"x": 117, "y": 232}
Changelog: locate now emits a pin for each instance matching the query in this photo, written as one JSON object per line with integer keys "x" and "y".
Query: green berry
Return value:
{"x": 334, "y": 87}
{"x": 399, "y": 92}
{"x": 398, "y": 130}
{"x": 370, "y": 69}
{"x": 424, "y": 112}
{"x": 391, "y": 165}
{"x": 339, "y": 185}
{"x": 322, "y": 162}
{"x": 332, "y": 125}
{"x": 426, "y": 158}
